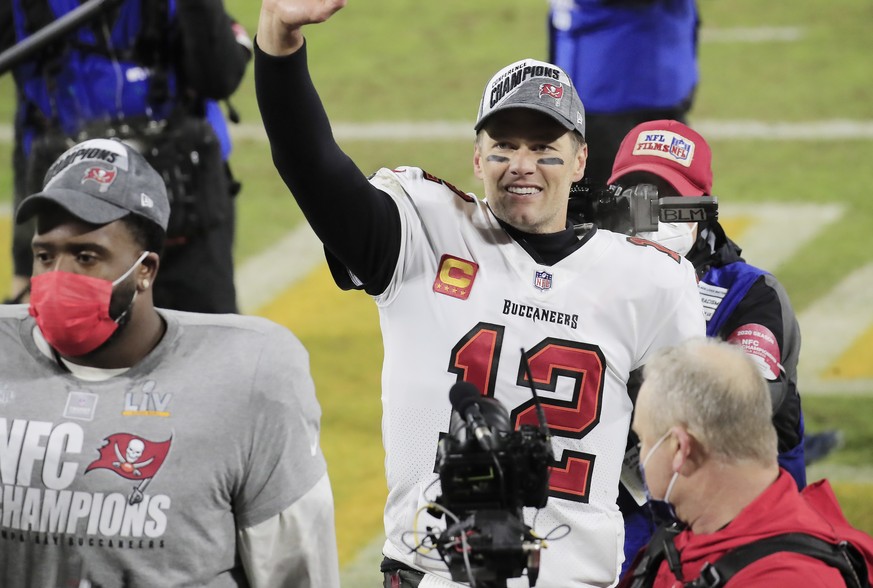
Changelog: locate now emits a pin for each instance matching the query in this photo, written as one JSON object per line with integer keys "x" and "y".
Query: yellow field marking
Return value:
{"x": 341, "y": 332}
{"x": 5, "y": 255}
{"x": 856, "y": 362}
{"x": 837, "y": 330}
{"x": 736, "y": 226}
{"x": 754, "y": 225}
{"x": 331, "y": 323}
{"x": 837, "y": 344}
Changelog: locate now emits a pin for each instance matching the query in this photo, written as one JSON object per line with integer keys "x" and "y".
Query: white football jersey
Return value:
{"x": 464, "y": 300}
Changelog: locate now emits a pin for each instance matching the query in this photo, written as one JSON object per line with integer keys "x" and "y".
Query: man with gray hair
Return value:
{"x": 716, "y": 393}
{"x": 708, "y": 455}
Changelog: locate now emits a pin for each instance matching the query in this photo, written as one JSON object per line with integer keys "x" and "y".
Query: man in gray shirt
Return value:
{"x": 142, "y": 446}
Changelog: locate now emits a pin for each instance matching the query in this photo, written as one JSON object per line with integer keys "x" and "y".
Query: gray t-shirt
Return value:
{"x": 143, "y": 479}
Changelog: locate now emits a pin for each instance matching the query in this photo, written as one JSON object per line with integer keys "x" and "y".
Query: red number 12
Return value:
{"x": 475, "y": 360}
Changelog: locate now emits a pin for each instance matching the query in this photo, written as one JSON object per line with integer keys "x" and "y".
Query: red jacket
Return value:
{"x": 779, "y": 509}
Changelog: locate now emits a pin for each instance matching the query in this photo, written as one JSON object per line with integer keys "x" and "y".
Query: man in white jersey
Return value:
{"x": 142, "y": 447}
{"x": 464, "y": 284}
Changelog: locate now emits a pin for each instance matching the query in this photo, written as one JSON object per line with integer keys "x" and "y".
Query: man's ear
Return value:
{"x": 147, "y": 271}
{"x": 477, "y": 162}
{"x": 687, "y": 456}
{"x": 580, "y": 160}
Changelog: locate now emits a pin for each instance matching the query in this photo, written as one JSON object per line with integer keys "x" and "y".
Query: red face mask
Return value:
{"x": 72, "y": 310}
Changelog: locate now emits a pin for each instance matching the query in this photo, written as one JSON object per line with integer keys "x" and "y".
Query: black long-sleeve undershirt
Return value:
{"x": 358, "y": 223}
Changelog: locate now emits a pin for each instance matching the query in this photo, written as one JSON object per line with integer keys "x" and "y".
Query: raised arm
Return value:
{"x": 359, "y": 224}
{"x": 280, "y": 22}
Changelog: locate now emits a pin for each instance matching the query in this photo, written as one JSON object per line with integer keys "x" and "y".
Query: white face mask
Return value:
{"x": 661, "y": 510}
{"x": 646, "y": 460}
{"x": 676, "y": 236}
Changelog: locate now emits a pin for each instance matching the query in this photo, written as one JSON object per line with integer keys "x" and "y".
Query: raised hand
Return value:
{"x": 280, "y": 22}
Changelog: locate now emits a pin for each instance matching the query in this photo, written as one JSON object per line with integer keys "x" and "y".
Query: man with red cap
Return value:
{"x": 742, "y": 304}
{"x": 674, "y": 158}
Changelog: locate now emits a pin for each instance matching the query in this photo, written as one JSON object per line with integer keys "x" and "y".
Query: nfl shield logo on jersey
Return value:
{"x": 543, "y": 280}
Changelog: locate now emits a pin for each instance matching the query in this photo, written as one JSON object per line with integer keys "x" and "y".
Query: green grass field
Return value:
{"x": 398, "y": 60}
{"x": 372, "y": 64}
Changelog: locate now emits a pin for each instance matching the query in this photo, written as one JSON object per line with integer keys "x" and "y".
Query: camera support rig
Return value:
{"x": 484, "y": 488}
{"x": 47, "y": 35}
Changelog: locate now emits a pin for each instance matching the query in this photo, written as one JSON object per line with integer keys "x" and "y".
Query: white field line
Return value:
{"x": 363, "y": 570}
{"x": 813, "y": 130}
{"x": 714, "y": 130}
{"x": 751, "y": 35}
{"x": 762, "y": 241}
{"x": 262, "y": 277}
{"x": 830, "y": 326}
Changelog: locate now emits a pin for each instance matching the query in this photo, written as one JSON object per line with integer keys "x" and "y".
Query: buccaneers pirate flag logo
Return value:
{"x": 132, "y": 457}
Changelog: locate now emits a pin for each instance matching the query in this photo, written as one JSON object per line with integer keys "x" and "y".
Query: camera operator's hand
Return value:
{"x": 280, "y": 22}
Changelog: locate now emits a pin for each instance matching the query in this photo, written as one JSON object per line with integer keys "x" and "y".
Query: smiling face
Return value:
{"x": 527, "y": 162}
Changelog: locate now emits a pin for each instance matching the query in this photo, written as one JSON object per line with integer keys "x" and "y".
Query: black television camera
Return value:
{"x": 488, "y": 472}
{"x": 634, "y": 209}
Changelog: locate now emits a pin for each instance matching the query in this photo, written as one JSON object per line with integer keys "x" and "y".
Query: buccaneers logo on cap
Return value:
{"x": 556, "y": 91}
{"x": 104, "y": 177}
